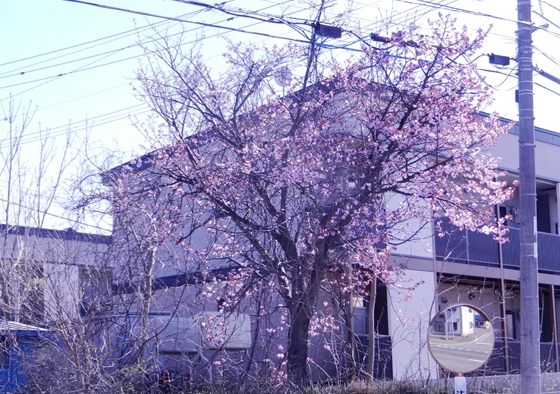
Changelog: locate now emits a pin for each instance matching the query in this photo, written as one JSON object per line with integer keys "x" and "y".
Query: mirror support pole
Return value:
{"x": 503, "y": 304}
{"x": 460, "y": 384}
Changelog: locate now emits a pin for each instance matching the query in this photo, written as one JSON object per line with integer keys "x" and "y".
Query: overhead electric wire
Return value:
{"x": 52, "y": 78}
{"x": 399, "y": 19}
{"x": 546, "y": 19}
{"x": 182, "y": 20}
{"x": 22, "y": 71}
{"x": 496, "y": 86}
{"x": 546, "y": 88}
{"x": 225, "y": 10}
{"x": 64, "y": 128}
{"x": 82, "y": 97}
{"x": 466, "y": 11}
{"x": 550, "y": 5}
{"x": 329, "y": 46}
{"x": 324, "y": 45}
{"x": 240, "y": 12}
{"x": 65, "y": 48}
{"x": 110, "y": 38}
{"x": 84, "y": 124}
{"x": 108, "y": 120}
{"x": 54, "y": 215}
{"x": 549, "y": 57}
{"x": 85, "y": 68}
{"x": 32, "y": 138}
{"x": 476, "y": 13}
{"x": 109, "y": 53}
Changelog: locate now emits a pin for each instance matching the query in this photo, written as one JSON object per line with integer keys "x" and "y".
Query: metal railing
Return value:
{"x": 461, "y": 246}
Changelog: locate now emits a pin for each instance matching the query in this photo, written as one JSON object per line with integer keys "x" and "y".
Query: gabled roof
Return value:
{"x": 145, "y": 161}
{"x": 67, "y": 235}
{"x": 543, "y": 135}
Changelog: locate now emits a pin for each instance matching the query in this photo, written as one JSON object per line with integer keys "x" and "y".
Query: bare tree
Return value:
{"x": 56, "y": 285}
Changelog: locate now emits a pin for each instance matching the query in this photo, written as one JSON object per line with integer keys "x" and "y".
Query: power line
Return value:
{"x": 31, "y": 137}
{"x": 49, "y": 79}
{"x": 66, "y": 48}
{"x": 105, "y": 42}
{"x": 550, "y": 5}
{"x": 57, "y": 131}
{"x": 549, "y": 57}
{"x": 328, "y": 46}
{"x": 53, "y": 215}
{"x": 477, "y": 13}
{"x": 82, "y": 97}
{"x": 109, "y": 53}
{"x": 185, "y": 21}
{"x": 85, "y": 68}
{"x": 114, "y": 51}
{"x": 546, "y": 88}
{"x": 463, "y": 10}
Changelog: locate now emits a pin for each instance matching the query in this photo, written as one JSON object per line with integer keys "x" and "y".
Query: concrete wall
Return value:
{"x": 410, "y": 311}
{"x": 56, "y": 257}
{"x": 547, "y": 167}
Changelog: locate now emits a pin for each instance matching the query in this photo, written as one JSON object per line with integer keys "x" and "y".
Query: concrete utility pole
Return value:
{"x": 530, "y": 330}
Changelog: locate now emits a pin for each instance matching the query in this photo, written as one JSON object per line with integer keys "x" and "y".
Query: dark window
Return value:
{"x": 96, "y": 290}
{"x": 4, "y": 352}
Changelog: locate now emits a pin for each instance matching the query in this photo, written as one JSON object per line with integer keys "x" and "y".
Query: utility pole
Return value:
{"x": 530, "y": 330}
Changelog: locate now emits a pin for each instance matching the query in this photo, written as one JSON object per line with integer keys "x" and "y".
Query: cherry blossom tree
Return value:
{"x": 318, "y": 179}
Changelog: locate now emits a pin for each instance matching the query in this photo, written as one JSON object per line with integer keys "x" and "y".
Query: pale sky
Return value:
{"x": 95, "y": 52}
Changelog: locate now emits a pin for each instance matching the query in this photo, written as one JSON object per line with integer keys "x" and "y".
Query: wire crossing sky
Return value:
{"x": 74, "y": 61}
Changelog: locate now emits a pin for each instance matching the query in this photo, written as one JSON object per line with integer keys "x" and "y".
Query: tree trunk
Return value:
{"x": 351, "y": 336}
{"x": 145, "y": 308}
{"x": 301, "y": 309}
{"x": 297, "y": 345}
{"x": 371, "y": 333}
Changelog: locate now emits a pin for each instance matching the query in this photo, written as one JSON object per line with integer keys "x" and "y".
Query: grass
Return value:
{"x": 353, "y": 388}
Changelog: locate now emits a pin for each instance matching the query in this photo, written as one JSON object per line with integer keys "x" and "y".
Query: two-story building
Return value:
{"x": 49, "y": 279}
{"x": 441, "y": 269}
{"x": 472, "y": 268}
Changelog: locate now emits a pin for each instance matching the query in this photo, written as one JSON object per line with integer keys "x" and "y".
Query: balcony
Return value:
{"x": 468, "y": 247}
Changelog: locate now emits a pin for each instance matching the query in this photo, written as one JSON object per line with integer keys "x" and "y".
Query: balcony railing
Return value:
{"x": 496, "y": 364}
{"x": 480, "y": 249}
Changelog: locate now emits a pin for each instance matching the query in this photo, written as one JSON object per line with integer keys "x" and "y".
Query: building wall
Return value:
{"x": 55, "y": 257}
{"x": 418, "y": 233}
{"x": 411, "y": 306}
{"x": 412, "y": 299}
{"x": 546, "y": 166}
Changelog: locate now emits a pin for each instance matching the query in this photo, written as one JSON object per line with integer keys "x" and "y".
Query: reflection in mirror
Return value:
{"x": 461, "y": 338}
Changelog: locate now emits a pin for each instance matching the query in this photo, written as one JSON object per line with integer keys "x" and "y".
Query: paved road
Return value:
{"x": 463, "y": 354}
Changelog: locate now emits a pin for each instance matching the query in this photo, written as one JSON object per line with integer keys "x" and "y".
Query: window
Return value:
{"x": 4, "y": 352}
{"x": 27, "y": 297}
{"x": 96, "y": 290}
{"x": 438, "y": 326}
{"x": 33, "y": 297}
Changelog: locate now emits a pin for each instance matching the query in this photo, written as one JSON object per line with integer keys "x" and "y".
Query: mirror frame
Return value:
{"x": 475, "y": 309}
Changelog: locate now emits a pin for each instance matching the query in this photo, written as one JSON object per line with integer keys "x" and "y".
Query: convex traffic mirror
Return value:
{"x": 461, "y": 338}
